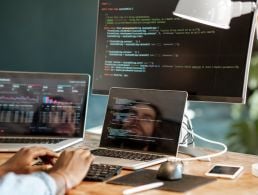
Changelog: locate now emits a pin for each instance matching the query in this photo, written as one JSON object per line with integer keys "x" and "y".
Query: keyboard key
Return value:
{"x": 125, "y": 155}
{"x": 102, "y": 172}
{"x": 30, "y": 140}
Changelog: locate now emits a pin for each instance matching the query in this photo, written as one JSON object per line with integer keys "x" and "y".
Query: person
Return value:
{"x": 142, "y": 120}
{"x": 57, "y": 116}
{"x": 65, "y": 124}
{"x": 142, "y": 126}
{"x": 20, "y": 175}
{"x": 136, "y": 125}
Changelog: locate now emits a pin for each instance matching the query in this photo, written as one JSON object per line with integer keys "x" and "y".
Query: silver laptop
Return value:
{"x": 141, "y": 127}
{"x": 43, "y": 109}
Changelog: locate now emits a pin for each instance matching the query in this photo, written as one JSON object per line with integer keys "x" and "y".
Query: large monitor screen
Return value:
{"x": 140, "y": 44}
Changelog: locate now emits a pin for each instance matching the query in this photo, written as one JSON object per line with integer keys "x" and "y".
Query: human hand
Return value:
{"x": 72, "y": 165}
{"x": 22, "y": 162}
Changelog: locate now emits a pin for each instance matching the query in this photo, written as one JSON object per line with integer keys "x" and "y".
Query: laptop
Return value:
{"x": 42, "y": 109}
{"x": 141, "y": 127}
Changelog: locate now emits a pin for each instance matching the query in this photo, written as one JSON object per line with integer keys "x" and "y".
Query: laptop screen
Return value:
{"x": 42, "y": 104}
{"x": 143, "y": 119}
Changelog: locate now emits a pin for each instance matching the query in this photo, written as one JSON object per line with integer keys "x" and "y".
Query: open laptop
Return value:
{"x": 43, "y": 109}
{"x": 141, "y": 127}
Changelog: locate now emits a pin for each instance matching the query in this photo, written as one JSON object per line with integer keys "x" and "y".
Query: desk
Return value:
{"x": 246, "y": 183}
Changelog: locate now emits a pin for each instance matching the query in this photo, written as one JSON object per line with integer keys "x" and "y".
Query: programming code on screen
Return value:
{"x": 140, "y": 44}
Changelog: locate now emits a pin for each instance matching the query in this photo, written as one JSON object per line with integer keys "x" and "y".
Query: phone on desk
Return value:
{"x": 225, "y": 171}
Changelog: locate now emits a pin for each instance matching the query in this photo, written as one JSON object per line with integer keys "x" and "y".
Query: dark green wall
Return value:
{"x": 51, "y": 36}
{"x": 47, "y": 35}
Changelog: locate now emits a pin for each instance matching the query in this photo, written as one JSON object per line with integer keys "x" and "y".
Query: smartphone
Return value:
{"x": 225, "y": 171}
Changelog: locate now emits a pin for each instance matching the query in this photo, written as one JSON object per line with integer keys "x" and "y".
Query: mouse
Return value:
{"x": 170, "y": 170}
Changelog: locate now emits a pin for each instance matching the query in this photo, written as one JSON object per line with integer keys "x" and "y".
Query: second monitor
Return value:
{"x": 140, "y": 44}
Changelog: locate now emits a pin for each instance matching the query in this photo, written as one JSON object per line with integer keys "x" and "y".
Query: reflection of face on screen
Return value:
{"x": 55, "y": 118}
{"x": 63, "y": 121}
{"x": 135, "y": 124}
{"x": 141, "y": 120}
{"x": 146, "y": 120}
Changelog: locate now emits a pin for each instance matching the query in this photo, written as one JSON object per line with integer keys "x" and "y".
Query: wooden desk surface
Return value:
{"x": 246, "y": 183}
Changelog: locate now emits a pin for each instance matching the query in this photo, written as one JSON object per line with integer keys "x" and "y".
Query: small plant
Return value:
{"x": 243, "y": 136}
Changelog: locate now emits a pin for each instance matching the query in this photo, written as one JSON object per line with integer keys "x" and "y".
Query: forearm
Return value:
{"x": 60, "y": 182}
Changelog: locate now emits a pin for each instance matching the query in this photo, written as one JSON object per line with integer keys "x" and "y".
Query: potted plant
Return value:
{"x": 243, "y": 136}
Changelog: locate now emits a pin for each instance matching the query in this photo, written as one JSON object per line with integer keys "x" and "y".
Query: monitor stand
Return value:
{"x": 188, "y": 147}
{"x": 193, "y": 152}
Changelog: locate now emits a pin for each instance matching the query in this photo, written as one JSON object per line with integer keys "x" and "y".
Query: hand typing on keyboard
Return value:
{"x": 96, "y": 172}
{"x": 72, "y": 166}
{"x": 68, "y": 171}
{"x": 22, "y": 162}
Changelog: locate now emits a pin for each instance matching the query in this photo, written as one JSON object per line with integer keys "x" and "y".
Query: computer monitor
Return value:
{"x": 140, "y": 44}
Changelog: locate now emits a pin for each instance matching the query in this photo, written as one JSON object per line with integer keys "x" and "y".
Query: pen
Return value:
{"x": 142, "y": 188}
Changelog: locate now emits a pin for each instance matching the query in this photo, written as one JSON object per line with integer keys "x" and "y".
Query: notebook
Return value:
{"x": 43, "y": 109}
{"x": 141, "y": 127}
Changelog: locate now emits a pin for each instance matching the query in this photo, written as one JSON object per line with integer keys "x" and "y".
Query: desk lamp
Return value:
{"x": 217, "y": 13}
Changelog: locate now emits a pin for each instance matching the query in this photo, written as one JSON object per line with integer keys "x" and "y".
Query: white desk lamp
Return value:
{"x": 217, "y": 13}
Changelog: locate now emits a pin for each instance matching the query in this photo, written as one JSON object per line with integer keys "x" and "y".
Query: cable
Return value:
{"x": 188, "y": 138}
{"x": 189, "y": 129}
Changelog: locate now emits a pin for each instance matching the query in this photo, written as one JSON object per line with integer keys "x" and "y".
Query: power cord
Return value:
{"x": 188, "y": 139}
{"x": 187, "y": 125}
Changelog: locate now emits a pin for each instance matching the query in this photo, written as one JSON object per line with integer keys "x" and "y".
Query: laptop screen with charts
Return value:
{"x": 143, "y": 121}
{"x": 47, "y": 109}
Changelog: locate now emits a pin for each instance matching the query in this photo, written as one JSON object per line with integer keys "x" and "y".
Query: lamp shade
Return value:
{"x": 217, "y": 13}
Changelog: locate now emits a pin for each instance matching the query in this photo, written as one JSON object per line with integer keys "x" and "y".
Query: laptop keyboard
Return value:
{"x": 102, "y": 172}
{"x": 30, "y": 140}
{"x": 126, "y": 155}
